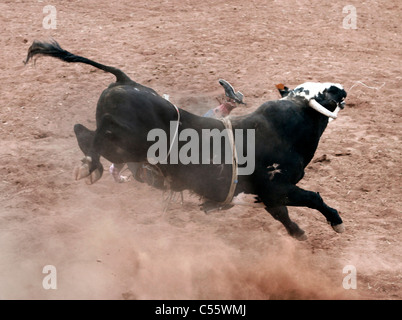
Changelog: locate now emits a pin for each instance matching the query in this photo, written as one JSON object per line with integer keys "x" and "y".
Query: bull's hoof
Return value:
{"x": 301, "y": 237}
{"x": 298, "y": 234}
{"x": 83, "y": 170}
{"x": 339, "y": 228}
{"x": 93, "y": 177}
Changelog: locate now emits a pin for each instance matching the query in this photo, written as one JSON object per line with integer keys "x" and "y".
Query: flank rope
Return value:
{"x": 228, "y": 125}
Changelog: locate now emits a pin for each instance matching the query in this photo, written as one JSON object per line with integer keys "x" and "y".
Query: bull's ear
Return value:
{"x": 280, "y": 86}
{"x": 283, "y": 90}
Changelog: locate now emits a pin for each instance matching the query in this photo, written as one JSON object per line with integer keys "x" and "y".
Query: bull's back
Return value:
{"x": 285, "y": 134}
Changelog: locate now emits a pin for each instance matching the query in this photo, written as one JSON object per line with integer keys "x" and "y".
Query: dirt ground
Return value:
{"x": 111, "y": 241}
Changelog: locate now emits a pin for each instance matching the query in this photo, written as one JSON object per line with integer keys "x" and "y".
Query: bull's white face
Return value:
{"x": 313, "y": 91}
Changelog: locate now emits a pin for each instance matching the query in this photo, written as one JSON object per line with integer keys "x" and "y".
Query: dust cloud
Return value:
{"x": 107, "y": 250}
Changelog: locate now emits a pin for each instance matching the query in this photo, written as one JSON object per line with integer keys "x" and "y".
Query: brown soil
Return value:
{"x": 111, "y": 241}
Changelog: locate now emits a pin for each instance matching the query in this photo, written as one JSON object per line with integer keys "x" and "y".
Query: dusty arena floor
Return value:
{"x": 111, "y": 241}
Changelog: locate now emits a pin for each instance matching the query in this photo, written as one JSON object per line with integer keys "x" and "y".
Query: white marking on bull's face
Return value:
{"x": 311, "y": 90}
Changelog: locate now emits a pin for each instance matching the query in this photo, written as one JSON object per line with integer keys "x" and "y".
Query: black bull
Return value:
{"x": 287, "y": 133}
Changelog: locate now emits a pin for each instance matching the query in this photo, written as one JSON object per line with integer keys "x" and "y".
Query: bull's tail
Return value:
{"x": 53, "y": 49}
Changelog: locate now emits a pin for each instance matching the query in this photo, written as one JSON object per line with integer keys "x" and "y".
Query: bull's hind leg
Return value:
{"x": 281, "y": 214}
{"x": 90, "y": 168}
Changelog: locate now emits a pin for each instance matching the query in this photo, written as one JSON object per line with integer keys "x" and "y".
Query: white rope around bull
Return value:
{"x": 228, "y": 125}
{"x": 172, "y": 193}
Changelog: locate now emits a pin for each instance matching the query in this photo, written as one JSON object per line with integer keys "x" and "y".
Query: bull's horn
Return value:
{"x": 336, "y": 111}
{"x": 316, "y": 106}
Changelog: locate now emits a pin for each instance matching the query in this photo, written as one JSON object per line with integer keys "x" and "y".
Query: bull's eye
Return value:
{"x": 333, "y": 103}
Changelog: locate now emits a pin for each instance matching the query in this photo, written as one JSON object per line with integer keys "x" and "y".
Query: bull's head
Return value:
{"x": 326, "y": 98}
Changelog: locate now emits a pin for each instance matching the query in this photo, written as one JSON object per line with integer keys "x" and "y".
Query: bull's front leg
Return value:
{"x": 303, "y": 198}
{"x": 277, "y": 194}
{"x": 91, "y": 167}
